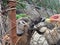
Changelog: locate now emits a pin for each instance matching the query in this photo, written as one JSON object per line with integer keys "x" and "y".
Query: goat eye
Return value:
{"x": 18, "y": 22}
{"x": 23, "y": 22}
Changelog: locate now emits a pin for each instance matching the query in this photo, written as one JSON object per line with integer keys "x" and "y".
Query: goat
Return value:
{"x": 25, "y": 30}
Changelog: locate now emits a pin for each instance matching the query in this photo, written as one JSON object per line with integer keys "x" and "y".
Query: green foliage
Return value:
{"x": 51, "y": 4}
{"x": 20, "y": 4}
{"x": 20, "y": 15}
{"x": 4, "y": 2}
{"x": 20, "y": 0}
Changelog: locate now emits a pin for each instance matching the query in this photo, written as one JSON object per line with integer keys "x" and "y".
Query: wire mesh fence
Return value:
{"x": 36, "y": 39}
{"x": 48, "y": 8}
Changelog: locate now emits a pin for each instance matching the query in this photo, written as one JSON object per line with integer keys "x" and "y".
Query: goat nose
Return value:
{"x": 20, "y": 32}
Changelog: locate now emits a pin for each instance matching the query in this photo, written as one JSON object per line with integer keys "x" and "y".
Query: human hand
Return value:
{"x": 55, "y": 18}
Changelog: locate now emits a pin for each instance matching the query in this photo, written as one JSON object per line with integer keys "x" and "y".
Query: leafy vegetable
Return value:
{"x": 20, "y": 16}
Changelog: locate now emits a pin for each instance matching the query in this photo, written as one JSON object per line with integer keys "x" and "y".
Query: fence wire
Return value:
{"x": 36, "y": 39}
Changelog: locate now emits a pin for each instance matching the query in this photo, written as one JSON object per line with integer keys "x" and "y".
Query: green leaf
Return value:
{"x": 20, "y": 16}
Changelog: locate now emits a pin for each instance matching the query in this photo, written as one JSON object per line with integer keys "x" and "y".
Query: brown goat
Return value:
{"x": 26, "y": 36}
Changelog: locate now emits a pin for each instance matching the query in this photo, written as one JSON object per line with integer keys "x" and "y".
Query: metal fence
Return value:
{"x": 31, "y": 10}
